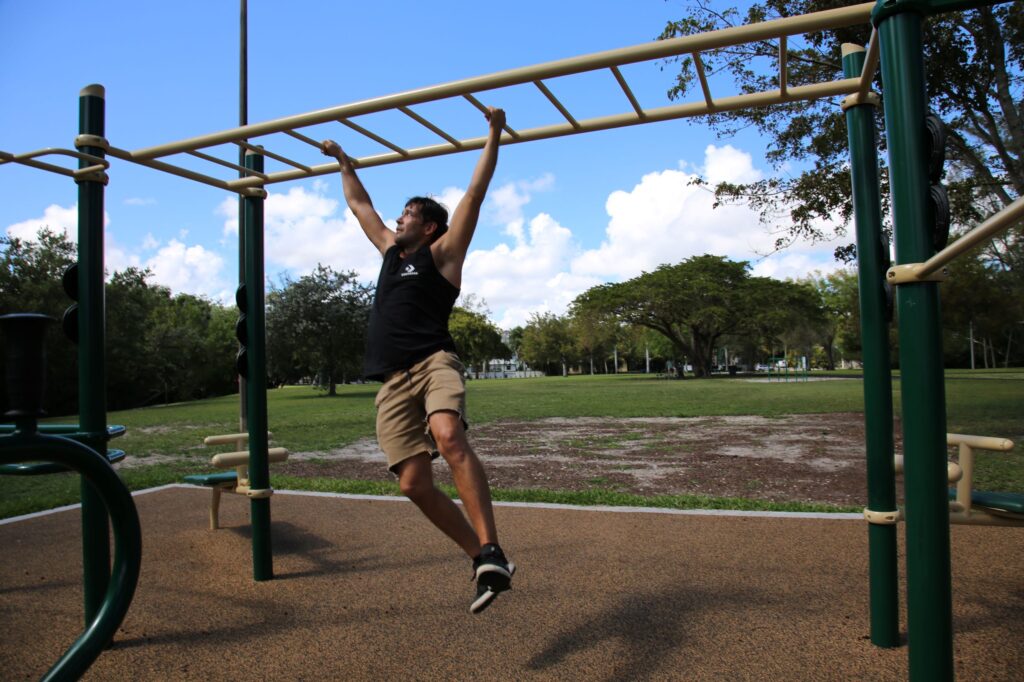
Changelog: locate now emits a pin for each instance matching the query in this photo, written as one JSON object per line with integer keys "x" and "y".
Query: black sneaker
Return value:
{"x": 493, "y": 574}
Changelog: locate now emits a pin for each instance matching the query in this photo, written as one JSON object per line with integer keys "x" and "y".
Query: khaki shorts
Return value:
{"x": 409, "y": 397}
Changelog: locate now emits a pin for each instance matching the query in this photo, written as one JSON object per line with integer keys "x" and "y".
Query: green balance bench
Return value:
{"x": 237, "y": 481}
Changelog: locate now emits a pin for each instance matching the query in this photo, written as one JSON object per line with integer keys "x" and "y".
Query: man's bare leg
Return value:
{"x": 467, "y": 472}
{"x": 416, "y": 481}
{"x": 493, "y": 571}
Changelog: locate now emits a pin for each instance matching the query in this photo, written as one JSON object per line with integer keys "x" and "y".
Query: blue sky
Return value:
{"x": 562, "y": 215}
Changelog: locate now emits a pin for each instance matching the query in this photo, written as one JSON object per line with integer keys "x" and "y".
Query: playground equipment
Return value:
{"x": 896, "y": 45}
{"x": 106, "y": 609}
{"x": 780, "y": 371}
{"x": 967, "y": 505}
{"x": 236, "y": 481}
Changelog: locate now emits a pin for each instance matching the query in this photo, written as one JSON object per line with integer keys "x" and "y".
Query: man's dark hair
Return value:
{"x": 431, "y": 212}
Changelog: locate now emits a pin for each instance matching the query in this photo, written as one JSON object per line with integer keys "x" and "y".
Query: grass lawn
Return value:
{"x": 983, "y": 402}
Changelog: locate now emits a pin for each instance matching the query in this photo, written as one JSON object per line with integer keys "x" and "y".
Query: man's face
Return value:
{"x": 411, "y": 228}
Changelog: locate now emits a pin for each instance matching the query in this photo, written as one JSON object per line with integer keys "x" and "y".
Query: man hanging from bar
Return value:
{"x": 421, "y": 405}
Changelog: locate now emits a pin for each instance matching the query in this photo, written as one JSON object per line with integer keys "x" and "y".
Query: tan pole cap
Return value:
{"x": 96, "y": 90}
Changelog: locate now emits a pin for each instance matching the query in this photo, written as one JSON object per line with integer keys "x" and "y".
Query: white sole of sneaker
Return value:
{"x": 485, "y": 599}
{"x": 494, "y": 568}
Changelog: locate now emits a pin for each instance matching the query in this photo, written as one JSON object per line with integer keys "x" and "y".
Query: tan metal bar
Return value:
{"x": 226, "y": 460}
{"x": 980, "y": 442}
{"x": 300, "y": 136}
{"x": 997, "y": 223}
{"x": 783, "y": 65}
{"x": 690, "y": 109}
{"x": 768, "y": 30}
{"x": 226, "y": 164}
{"x": 870, "y": 64}
{"x": 629, "y": 93}
{"x": 479, "y": 105}
{"x": 429, "y": 126}
{"x": 29, "y": 159}
{"x": 272, "y": 155}
{"x": 558, "y": 105}
{"x": 699, "y": 66}
{"x": 126, "y": 155}
{"x": 230, "y": 438}
{"x": 373, "y": 136}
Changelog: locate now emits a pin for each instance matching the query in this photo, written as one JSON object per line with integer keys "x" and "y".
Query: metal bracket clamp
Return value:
{"x": 259, "y": 493}
{"x": 93, "y": 173}
{"x": 872, "y": 98}
{"x": 253, "y": 192}
{"x": 907, "y": 274}
{"x": 90, "y": 175}
{"x": 92, "y": 141}
{"x": 883, "y": 518}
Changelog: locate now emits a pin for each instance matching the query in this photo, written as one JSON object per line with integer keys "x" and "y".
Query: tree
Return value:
{"x": 158, "y": 346}
{"x": 476, "y": 338}
{"x": 696, "y": 303}
{"x": 973, "y": 62}
{"x": 316, "y": 326}
{"x": 981, "y": 307}
{"x": 835, "y": 299}
{"x": 594, "y": 333}
{"x": 692, "y": 304}
{"x": 30, "y": 282}
{"x": 547, "y": 342}
{"x": 164, "y": 347}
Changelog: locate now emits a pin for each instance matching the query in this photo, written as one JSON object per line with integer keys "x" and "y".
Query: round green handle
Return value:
{"x": 124, "y": 519}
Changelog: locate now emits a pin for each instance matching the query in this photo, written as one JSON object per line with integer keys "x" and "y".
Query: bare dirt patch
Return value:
{"x": 816, "y": 458}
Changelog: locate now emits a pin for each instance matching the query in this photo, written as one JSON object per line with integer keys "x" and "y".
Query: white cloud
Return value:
{"x": 302, "y": 229}
{"x": 189, "y": 269}
{"x": 450, "y": 198}
{"x": 183, "y": 268}
{"x": 531, "y": 276}
{"x": 728, "y": 164}
{"x": 665, "y": 219}
{"x": 662, "y": 219}
{"x": 139, "y": 201}
{"x": 505, "y": 203}
{"x": 57, "y": 218}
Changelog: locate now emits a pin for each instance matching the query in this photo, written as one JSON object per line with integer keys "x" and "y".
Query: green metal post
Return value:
{"x": 872, "y": 262}
{"x": 929, "y": 583}
{"x": 92, "y": 385}
{"x": 256, "y": 383}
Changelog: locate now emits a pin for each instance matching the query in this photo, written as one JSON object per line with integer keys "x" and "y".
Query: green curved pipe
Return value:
{"x": 94, "y": 468}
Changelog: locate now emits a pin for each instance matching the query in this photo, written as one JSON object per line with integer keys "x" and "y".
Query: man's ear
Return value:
{"x": 429, "y": 228}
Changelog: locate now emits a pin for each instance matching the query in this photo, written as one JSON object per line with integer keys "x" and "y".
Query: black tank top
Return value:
{"x": 409, "y": 317}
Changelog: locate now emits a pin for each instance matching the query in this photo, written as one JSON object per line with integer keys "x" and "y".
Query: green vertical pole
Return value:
{"x": 872, "y": 262}
{"x": 929, "y": 583}
{"x": 92, "y": 385}
{"x": 256, "y": 382}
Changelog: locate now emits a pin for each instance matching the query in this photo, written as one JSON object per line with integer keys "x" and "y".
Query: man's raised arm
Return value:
{"x": 453, "y": 246}
{"x": 358, "y": 199}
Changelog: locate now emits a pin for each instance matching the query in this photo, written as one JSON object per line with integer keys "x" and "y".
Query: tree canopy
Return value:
{"x": 477, "y": 339}
{"x": 697, "y": 302}
{"x": 159, "y": 347}
{"x": 316, "y": 327}
{"x": 973, "y": 62}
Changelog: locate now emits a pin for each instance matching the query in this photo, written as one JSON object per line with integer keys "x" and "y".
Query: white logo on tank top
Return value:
{"x": 410, "y": 271}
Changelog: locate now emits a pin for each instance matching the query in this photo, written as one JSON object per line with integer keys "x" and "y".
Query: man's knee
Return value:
{"x": 415, "y": 479}
{"x": 449, "y": 434}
